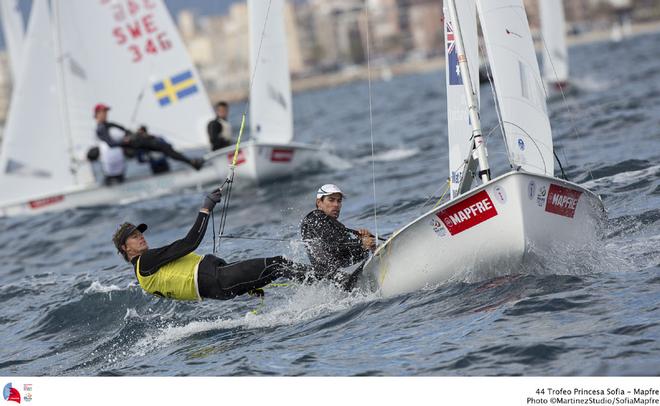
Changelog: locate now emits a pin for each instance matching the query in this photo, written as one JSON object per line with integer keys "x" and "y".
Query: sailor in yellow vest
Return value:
{"x": 176, "y": 271}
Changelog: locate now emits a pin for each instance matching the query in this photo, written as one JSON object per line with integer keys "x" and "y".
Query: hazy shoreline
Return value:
{"x": 410, "y": 67}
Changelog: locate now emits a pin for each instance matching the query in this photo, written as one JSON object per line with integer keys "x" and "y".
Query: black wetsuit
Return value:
{"x": 330, "y": 246}
{"x": 216, "y": 279}
{"x": 103, "y": 133}
{"x": 152, "y": 143}
{"x": 214, "y": 129}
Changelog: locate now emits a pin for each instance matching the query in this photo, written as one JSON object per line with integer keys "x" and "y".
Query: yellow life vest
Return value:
{"x": 175, "y": 280}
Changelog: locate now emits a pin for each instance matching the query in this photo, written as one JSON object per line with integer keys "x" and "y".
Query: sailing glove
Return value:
{"x": 212, "y": 199}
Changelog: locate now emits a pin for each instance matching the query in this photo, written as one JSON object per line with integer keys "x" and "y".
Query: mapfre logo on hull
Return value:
{"x": 562, "y": 201}
{"x": 281, "y": 155}
{"x": 468, "y": 213}
{"x": 240, "y": 158}
{"x": 38, "y": 204}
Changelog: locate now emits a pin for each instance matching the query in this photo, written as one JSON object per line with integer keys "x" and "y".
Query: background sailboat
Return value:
{"x": 271, "y": 153}
{"x": 522, "y": 216}
{"x": 76, "y": 55}
{"x": 554, "y": 49}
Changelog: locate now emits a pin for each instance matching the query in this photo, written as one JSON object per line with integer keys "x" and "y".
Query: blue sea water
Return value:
{"x": 70, "y": 306}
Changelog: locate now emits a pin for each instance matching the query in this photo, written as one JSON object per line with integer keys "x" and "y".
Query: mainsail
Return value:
{"x": 555, "y": 53}
{"x": 458, "y": 118}
{"x": 34, "y": 160}
{"x": 518, "y": 85}
{"x": 132, "y": 58}
{"x": 271, "y": 113}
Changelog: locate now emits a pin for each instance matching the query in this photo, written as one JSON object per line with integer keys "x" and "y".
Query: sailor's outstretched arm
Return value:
{"x": 157, "y": 257}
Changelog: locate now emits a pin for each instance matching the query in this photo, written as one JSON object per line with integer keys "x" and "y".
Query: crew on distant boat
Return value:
{"x": 331, "y": 245}
{"x": 117, "y": 140}
{"x": 145, "y": 144}
{"x": 219, "y": 129}
{"x": 175, "y": 271}
{"x": 157, "y": 160}
{"x": 111, "y": 152}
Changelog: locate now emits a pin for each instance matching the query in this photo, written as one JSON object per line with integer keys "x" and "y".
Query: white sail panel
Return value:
{"x": 134, "y": 60}
{"x": 555, "y": 52}
{"x": 271, "y": 114}
{"x": 458, "y": 118}
{"x": 518, "y": 84}
{"x": 13, "y": 29}
{"x": 34, "y": 160}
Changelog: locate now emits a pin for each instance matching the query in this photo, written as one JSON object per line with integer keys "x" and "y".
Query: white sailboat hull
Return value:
{"x": 133, "y": 189}
{"x": 516, "y": 219}
{"x": 262, "y": 162}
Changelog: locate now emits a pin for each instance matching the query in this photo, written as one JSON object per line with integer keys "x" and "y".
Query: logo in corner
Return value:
{"x": 27, "y": 392}
{"x": 11, "y": 394}
{"x": 521, "y": 144}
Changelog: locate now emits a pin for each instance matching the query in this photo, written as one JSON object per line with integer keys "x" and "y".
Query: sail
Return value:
{"x": 34, "y": 160}
{"x": 131, "y": 57}
{"x": 271, "y": 114}
{"x": 555, "y": 53}
{"x": 13, "y": 29}
{"x": 518, "y": 84}
{"x": 458, "y": 118}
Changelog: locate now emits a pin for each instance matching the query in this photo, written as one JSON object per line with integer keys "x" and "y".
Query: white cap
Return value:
{"x": 327, "y": 190}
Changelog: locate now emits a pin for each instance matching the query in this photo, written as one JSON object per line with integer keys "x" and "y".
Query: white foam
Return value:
{"x": 97, "y": 287}
{"x": 131, "y": 313}
{"x": 301, "y": 303}
{"x": 396, "y": 154}
{"x": 334, "y": 162}
{"x": 591, "y": 84}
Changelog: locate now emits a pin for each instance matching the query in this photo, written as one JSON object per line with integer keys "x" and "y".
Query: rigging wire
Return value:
{"x": 230, "y": 177}
{"x": 371, "y": 119}
{"x": 565, "y": 103}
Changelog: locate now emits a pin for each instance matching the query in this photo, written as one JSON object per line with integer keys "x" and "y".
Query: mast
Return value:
{"x": 473, "y": 106}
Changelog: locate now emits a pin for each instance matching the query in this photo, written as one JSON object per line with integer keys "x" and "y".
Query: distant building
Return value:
{"x": 327, "y": 35}
{"x": 386, "y": 34}
{"x": 426, "y": 28}
{"x": 338, "y": 32}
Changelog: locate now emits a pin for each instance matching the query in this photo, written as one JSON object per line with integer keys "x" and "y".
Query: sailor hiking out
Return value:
{"x": 156, "y": 148}
{"x": 175, "y": 271}
{"x": 116, "y": 141}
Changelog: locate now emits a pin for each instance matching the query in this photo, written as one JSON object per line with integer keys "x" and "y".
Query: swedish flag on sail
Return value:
{"x": 177, "y": 87}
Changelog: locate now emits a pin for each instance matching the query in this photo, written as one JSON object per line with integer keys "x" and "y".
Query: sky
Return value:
{"x": 200, "y": 7}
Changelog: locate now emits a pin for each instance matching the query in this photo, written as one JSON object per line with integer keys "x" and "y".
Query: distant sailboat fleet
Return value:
{"x": 133, "y": 59}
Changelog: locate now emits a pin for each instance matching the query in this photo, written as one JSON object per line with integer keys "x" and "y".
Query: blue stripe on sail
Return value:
{"x": 181, "y": 77}
{"x": 186, "y": 92}
{"x": 159, "y": 86}
{"x": 164, "y": 101}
